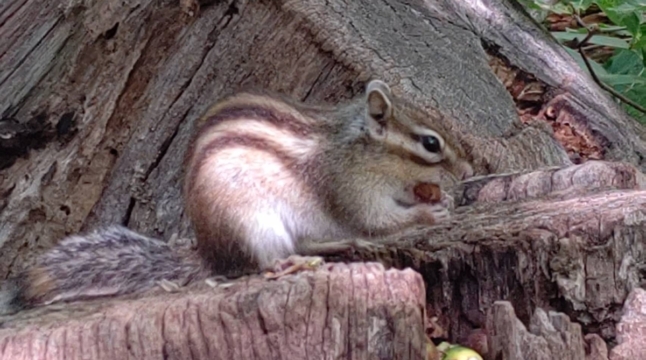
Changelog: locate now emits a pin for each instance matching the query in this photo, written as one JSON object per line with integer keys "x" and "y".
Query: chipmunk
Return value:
{"x": 268, "y": 177}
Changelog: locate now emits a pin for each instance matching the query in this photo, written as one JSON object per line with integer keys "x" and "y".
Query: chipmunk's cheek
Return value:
{"x": 405, "y": 198}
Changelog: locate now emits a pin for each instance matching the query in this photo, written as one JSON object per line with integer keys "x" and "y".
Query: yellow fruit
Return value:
{"x": 458, "y": 352}
{"x": 432, "y": 353}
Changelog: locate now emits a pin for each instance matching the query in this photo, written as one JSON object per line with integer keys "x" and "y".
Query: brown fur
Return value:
{"x": 259, "y": 114}
{"x": 264, "y": 175}
{"x": 108, "y": 261}
{"x": 40, "y": 284}
{"x": 220, "y": 240}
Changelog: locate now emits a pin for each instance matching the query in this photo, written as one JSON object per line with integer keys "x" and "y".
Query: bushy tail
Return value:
{"x": 108, "y": 261}
{"x": 10, "y": 297}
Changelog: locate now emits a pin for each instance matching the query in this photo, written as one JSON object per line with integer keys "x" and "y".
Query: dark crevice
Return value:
{"x": 49, "y": 174}
{"x": 36, "y": 133}
{"x": 164, "y": 148}
{"x": 18, "y": 139}
{"x": 65, "y": 123}
{"x": 129, "y": 79}
{"x": 66, "y": 209}
{"x": 165, "y": 354}
{"x": 126, "y": 217}
{"x": 640, "y": 156}
{"x": 4, "y": 196}
{"x": 12, "y": 110}
{"x": 133, "y": 9}
{"x": 229, "y": 13}
{"x": 166, "y": 144}
{"x": 326, "y": 70}
{"x": 128, "y": 336}
{"x": 111, "y": 32}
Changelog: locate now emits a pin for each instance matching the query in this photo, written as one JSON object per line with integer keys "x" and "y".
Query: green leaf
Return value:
{"x": 583, "y": 31}
{"x": 638, "y": 115}
{"x": 622, "y": 13}
{"x": 530, "y": 4}
{"x": 596, "y": 67}
{"x": 610, "y": 28}
{"x": 595, "y": 39}
{"x": 561, "y": 9}
{"x": 639, "y": 41}
{"x": 639, "y": 4}
{"x": 618, "y": 80}
{"x": 632, "y": 21}
{"x": 638, "y": 95}
{"x": 624, "y": 33}
{"x": 581, "y": 5}
{"x": 625, "y": 62}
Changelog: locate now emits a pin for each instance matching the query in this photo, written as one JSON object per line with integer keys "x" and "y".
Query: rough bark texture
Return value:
{"x": 550, "y": 335}
{"x": 114, "y": 88}
{"x": 98, "y": 99}
{"x": 631, "y": 330}
{"x": 577, "y": 251}
{"x": 357, "y": 311}
{"x": 568, "y": 101}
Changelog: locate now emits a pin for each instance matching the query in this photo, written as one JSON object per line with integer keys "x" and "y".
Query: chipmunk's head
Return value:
{"x": 412, "y": 133}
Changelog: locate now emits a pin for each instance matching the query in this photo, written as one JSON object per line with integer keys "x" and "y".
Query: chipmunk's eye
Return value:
{"x": 431, "y": 143}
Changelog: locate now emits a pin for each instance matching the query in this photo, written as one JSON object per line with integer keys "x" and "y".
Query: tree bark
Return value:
{"x": 100, "y": 98}
{"x": 340, "y": 311}
{"x": 575, "y": 249}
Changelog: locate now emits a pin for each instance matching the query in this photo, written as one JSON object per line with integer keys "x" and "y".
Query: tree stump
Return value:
{"x": 98, "y": 100}
{"x": 339, "y": 311}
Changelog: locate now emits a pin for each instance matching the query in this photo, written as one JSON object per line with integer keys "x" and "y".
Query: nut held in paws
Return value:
{"x": 428, "y": 193}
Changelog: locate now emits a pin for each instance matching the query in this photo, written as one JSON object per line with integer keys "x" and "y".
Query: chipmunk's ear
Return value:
{"x": 380, "y": 106}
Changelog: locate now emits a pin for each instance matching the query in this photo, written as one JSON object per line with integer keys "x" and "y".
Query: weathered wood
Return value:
{"x": 133, "y": 89}
{"x": 111, "y": 90}
{"x": 587, "y": 178}
{"x": 357, "y": 311}
{"x": 566, "y": 97}
{"x": 550, "y": 336}
{"x": 631, "y": 329}
{"x": 576, "y": 252}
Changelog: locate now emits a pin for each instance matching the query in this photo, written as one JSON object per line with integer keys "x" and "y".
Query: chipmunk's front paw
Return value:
{"x": 436, "y": 212}
{"x": 439, "y": 213}
{"x": 293, "y": 264}
{"x": 447, "y": 201}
